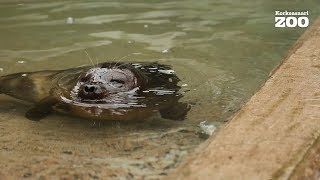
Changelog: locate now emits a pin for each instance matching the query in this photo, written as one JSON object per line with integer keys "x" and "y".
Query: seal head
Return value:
{"x": 99, "y": 83}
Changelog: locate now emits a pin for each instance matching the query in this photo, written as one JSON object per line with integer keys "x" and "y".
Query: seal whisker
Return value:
{"x": 89, "y": 58}
{"x": 115, "y": 65}
{"x": 113, "y": 60}
{"x": 97, "y": 61}
{"x": 128, "y": 55}
{"x": 122, "y": 65}
{"x": 125, "y": 56}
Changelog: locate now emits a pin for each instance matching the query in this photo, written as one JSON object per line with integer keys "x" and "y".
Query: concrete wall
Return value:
{"x": 271, "y": 134}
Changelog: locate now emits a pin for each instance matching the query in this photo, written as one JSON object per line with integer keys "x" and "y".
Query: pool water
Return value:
{"x": 221, "y": 50}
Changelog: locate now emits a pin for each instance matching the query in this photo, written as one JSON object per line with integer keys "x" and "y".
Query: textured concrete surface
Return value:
{"x": 272, "y": 133}
{"x": 61, "y": 147}
{"x": 309, "y": 168}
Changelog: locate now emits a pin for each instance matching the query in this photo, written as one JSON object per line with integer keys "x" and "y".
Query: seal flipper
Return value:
{"x": 41, "y": 109}
{"x": 176, "y": 112}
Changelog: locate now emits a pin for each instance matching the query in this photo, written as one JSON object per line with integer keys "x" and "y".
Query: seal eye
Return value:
{"x": 118, "y": 81}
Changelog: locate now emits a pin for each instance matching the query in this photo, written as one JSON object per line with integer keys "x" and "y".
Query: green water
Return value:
{"x": 222, "y": 50}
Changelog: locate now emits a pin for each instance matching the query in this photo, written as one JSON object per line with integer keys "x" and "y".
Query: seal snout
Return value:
{"x": 90, "y": 88}
{"x": 92, "y": 91}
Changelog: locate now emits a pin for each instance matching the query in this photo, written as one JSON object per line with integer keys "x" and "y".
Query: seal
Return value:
{"x": 107, "y": 91}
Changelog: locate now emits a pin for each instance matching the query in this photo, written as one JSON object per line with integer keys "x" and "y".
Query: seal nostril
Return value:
{"x": 89, "y": 89}
{"x": 86, "y": 89}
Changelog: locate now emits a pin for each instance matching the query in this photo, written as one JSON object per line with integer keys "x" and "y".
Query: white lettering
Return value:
{"x": 291, "y": 21}
{"x": 280, "y": 22}
{"x": 303, "y": 21}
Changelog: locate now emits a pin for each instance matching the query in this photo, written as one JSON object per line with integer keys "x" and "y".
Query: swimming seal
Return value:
{"x": 107, "y": 91}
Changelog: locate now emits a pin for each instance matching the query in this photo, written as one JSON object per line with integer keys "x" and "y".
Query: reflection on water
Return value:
{"x": 221, "y": 50}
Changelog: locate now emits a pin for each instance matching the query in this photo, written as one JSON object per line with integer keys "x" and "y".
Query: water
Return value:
{"x": 221, "y": 50}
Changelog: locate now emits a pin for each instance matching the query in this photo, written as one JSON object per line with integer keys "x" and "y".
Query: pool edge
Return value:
{"x": 272, "y": 132}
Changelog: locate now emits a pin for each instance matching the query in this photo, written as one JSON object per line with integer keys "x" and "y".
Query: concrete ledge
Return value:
{"x": 271, "y": 134}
